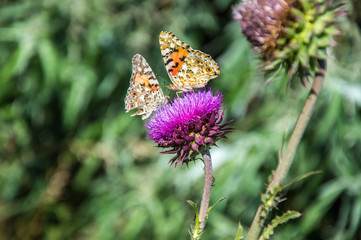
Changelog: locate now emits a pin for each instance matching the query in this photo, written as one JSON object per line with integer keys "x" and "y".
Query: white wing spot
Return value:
{"x": 165, "y": 51}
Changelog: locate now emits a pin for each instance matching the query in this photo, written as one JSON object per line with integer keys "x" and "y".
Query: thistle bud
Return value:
{"x": 289, "y": 35}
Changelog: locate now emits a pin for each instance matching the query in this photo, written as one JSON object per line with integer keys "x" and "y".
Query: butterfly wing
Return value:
{"x": 187, "y": 68}
{"x": 174, "y": 53}
{"x": 144, "y": 91}
{"x": 197, "y": 70}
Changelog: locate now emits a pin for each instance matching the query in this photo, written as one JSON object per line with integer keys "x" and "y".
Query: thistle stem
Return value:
{"x": 208, "y": 182}
{"x": 286, "y": 161}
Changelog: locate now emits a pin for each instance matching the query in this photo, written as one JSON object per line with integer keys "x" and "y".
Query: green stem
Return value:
{"x": 286, "y": 161}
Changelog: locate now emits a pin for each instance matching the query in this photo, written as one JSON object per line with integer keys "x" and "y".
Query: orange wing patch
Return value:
{"x": 143, "y": 80}
{"x": 178, "y": 57}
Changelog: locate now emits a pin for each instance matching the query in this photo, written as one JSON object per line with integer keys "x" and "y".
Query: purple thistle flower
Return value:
{"x": 189, "y": 125}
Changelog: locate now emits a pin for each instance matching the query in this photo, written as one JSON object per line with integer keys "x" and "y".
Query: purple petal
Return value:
{"x": 213, "y": 132}
{"x": 195, "y": 147}
{"x": 189, "y": 138}
{"x": 170, "y": 151}
{"x": 200, "y": 140}
{"x": 178, "y": 115}
{"x": 178, "y": 141}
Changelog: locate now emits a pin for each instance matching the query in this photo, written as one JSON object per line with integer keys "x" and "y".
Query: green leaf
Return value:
{"x": 306, "y": 5}
{"x": 48, "y": 58}
{"x": 324, "y": 41}
{"x": 320, "y": 25}
{"x": 211, "y": 207}
{"x": 239, "y": 234}
{"x": 190, "y": 202}
{"x": 299, "y": 178}
{"x": 303, "y": 56}
{"x": 196, "y": 232}
{"x": 312, "y": 48}
{"x": 269, "y": 230}
{"x": 300, "y": 16}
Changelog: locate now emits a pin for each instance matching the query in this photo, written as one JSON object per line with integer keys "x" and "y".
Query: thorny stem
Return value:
{"x": 286, "y": 161}
{"x": 208, "y": 181}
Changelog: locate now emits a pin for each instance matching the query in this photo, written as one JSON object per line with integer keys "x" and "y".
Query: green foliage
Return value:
{"x": 74, "y": 165}
{"x": 305, "y": 38}
{"x": 196, "y": 231}
{"x": 270, "y": 201}
{"x": 269, "y": 230}
{"x": 239, "y": 235}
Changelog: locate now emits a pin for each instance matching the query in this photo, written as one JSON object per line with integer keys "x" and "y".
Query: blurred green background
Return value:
{"x": 74, "y": 165}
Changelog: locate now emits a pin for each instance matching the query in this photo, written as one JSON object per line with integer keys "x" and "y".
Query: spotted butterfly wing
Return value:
{"x": 186, "y": 67}
{"x": 144, "y": 92}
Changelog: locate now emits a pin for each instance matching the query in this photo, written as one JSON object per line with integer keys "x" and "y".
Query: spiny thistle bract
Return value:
{"x": 289, "y": 35}
{"x": 189, "y": 125}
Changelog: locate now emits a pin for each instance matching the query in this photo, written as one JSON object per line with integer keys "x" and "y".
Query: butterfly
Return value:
{"x": 144, "y": 91}
{"x": 186, "y": 67}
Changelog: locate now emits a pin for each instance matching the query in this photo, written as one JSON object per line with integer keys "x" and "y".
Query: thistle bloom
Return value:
{"x": 189, "y": 125}
{"x": 290, "y": 35}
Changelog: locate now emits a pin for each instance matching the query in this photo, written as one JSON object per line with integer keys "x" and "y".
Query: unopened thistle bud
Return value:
{"x": 289, "y": 35}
